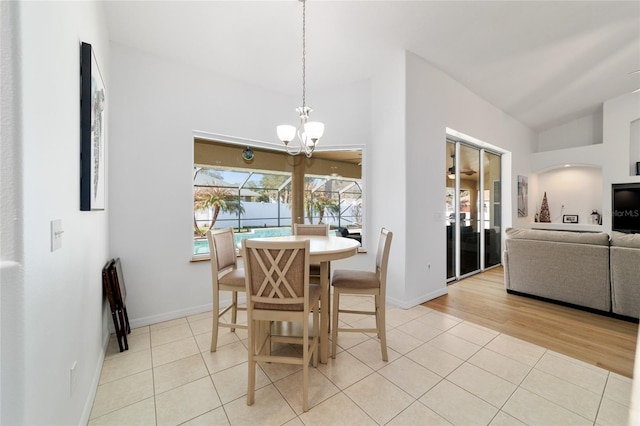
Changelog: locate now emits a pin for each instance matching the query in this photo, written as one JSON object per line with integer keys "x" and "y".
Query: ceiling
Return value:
{"x": 543, "y": 63}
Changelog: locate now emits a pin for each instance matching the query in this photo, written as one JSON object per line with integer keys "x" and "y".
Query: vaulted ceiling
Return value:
{"x": 543, "y": 62}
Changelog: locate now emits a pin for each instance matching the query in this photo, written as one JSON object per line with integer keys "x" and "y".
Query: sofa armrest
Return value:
{"x": 625, "y": 281}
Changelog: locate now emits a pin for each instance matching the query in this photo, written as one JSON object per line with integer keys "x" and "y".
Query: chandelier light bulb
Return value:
{"x": 286, "y": 133}
{"x": 314, "y": 130}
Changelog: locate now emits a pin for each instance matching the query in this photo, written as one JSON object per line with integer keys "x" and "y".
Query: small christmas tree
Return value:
{"x": 545, "y": 216}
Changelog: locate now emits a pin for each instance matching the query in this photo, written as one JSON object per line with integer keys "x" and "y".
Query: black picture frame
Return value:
{"x": 637, "y": 168}
{"x": 570, "y": 218}
{"x": 93, "y": 139}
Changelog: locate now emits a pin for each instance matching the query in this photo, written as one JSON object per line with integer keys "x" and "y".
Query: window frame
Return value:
{"x": 278, "y": 148}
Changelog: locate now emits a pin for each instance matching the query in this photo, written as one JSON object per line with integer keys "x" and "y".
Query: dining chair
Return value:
{"x": 346, "y": 281}
{"x": 278, "y": 289}
{"x": 225, "y": 276}
{"x": 318, "y": 230}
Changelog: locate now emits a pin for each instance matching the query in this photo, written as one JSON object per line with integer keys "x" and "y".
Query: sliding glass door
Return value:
{"x": 492, "y": 223}
{"x": 473, "y": 209}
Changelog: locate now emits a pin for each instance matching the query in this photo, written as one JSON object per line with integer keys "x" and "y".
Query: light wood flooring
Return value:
{"x": 599, "y": 340}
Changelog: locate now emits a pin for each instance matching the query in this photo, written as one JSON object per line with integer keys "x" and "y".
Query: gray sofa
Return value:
{"x": 570, "y": 267}
{"x": 625, "y": 274}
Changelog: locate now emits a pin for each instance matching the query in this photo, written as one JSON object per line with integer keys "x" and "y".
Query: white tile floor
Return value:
{"x": 441, "y": 370}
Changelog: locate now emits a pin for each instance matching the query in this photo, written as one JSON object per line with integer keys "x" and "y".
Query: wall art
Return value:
{"x": 523, "y": 196}
{"x": 93, "y": 139}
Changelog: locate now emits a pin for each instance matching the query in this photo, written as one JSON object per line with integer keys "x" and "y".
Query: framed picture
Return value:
{"x": 523, "y": 196}
{"x": 637, "y": 168}
{"x": 570, "y": 218}
{"x": 92, "y": 132}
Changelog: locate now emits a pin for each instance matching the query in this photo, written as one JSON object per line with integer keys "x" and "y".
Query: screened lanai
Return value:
{"x": 257, "y": 197}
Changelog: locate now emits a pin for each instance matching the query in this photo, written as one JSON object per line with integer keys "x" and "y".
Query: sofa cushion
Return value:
{"x": 594, "y": 238}
{"x": 620, "y": 239}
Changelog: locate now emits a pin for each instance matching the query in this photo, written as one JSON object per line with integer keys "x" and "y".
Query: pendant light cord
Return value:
{"x": 304, "y": 53}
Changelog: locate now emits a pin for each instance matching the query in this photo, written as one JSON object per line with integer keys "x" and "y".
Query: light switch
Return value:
{"x": 56, "y": 234}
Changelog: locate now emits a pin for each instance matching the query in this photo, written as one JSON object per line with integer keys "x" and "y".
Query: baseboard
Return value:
{"x": 408, "y": 304}
{"x": 168, "y": 316}
{"x": 93, "y": 389}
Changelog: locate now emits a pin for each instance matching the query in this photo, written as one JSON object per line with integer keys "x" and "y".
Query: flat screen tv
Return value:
{"x": 626, "y": 207}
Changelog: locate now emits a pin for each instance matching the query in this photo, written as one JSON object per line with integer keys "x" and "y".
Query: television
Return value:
{"x": 625, "y": 210}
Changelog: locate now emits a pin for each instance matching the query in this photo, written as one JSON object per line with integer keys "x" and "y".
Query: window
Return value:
{"x": 256, "y": 196}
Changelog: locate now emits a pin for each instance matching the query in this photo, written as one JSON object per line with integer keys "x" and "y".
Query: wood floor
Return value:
{"x": 599, "y": 340}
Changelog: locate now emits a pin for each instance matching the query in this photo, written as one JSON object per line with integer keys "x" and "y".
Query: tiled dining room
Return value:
{"x": 441, "y": 370}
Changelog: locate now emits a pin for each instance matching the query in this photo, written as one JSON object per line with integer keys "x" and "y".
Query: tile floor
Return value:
{"x": 441, "y": 371}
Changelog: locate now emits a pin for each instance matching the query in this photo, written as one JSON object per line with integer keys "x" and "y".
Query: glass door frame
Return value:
{"x": 480, "y": 202}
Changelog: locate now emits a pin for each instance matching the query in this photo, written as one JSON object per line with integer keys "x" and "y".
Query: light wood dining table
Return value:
{"x": 323, "y": 250}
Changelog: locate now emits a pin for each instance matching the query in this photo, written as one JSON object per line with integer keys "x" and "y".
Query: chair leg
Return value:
{"x": 216, "y": 318}
{"x": 126, "y": 319}
{"x": 114, "y": 316}
{"x": 123, "y": 330}
{"x": 251, "y": 379}
{"x": 334, "y": 322}
{"x": 266, "y": 331}
{"x": 305, "y": 365}
{"x": 234, "y": 309}
{"x": 316, "y": 334}
{"x": 381, "y": 325}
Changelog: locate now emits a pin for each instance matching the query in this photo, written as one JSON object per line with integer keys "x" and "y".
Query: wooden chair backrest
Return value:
{"x": 305, "y": 229}
{"x": 382, "y": 257}
{"x": 277, "y": 274}
{"x": 222, "y": 248}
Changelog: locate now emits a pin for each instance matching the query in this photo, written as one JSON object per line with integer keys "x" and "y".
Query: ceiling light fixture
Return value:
{"x": 451, "y": 172}
{"x": 308, "y": 132}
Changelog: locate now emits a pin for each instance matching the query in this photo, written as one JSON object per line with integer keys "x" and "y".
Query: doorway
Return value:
{"x": 473, "y": 208}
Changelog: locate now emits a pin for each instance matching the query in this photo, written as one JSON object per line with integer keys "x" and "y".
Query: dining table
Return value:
{"x": 322, "y": 250}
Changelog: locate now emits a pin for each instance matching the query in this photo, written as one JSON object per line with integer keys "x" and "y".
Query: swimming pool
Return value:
{"x": 201, "y": 245}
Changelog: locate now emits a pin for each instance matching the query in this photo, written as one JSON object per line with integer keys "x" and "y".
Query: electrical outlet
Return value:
{"x": 73, "y": 378}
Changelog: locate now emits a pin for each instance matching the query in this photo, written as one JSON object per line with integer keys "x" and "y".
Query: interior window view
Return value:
{"x": 255, "y": 197}
{"x": 314, "y": 212}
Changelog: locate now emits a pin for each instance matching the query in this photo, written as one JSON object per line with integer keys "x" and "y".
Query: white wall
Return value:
{"x": 618, "y": 114}
{"x": 582, "y": 131}
{"x": 385, "y": 171}
{"x": 155, "y": 107}
{"x": 11, "y": 253}
{"x": 63, "y": 304}
{"x": 612, "y": 160}
{"x": 570, "y": 191}
{"x": 435, "y": 102}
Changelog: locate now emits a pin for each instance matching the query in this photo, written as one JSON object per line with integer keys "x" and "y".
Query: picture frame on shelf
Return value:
{"x": 570, "y": 218}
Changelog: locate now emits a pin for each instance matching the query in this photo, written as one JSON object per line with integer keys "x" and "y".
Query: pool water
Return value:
{"x": 201, "y": 245}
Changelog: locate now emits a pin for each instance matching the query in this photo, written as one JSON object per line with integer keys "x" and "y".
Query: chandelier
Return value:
{"x": 307, "y": 132}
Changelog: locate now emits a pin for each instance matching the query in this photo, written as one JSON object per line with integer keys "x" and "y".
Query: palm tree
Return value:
{"x": 319, "y": 202}
{"x": 218, "y": 199}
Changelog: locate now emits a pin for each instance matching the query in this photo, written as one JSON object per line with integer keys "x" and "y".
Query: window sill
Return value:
{"x": 195, "y": 259}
